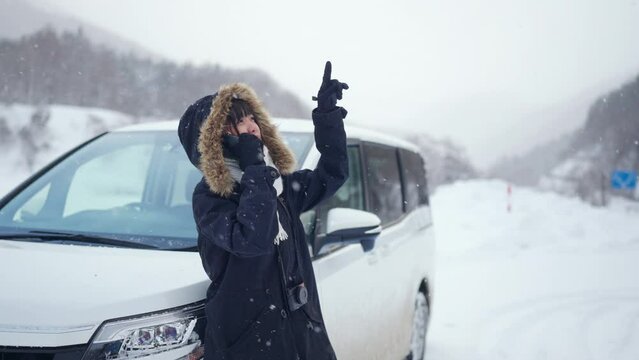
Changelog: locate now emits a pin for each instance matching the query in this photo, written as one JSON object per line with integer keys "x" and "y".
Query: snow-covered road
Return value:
{"x": 554, "y": 279}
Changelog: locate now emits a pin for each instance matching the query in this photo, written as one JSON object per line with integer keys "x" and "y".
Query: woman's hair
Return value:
{"x": 239, "y": 109}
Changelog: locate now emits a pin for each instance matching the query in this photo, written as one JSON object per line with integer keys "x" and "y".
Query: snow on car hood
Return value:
{"x": 57, "y": 295}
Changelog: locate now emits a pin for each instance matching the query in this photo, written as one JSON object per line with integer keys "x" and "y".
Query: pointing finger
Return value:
{"x": 327, "y": 71}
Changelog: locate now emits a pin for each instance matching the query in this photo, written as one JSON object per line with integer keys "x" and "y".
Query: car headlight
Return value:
{"x": 172, "y": 334}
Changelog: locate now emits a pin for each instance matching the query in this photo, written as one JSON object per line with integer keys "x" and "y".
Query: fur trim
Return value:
{"x": 212, "y": 164}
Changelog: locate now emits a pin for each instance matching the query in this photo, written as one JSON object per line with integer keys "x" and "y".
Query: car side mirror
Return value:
{"x": 352, "y": 226}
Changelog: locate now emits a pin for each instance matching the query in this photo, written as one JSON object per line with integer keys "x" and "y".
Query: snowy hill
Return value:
{"x": 580, "y": 163}
{"x": 30, "y": 137}
{"x": 20, "y": 17}
{"x": 553, "y": 279}
{"x": 446, "y": 162}
{"x": 608, "y": 141}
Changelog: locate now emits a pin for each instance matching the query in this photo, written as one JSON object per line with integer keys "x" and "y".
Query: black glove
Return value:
{"x": 330, "y": 91}
{"x": 248, "y": 149}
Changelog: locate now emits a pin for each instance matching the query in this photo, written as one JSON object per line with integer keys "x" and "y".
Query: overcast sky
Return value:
{"x": 489, "y": 74}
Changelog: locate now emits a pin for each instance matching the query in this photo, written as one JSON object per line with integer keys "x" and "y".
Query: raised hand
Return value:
{"x": 330, "y": 91}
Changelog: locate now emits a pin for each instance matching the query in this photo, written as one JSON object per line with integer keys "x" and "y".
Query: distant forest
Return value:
{"x": 50, "y": 68}
{"x": 613, "y": 125}
{"x": 610, "y": 140}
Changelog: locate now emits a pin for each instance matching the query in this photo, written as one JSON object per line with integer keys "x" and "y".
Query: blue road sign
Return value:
{"x": 623, "y": 179}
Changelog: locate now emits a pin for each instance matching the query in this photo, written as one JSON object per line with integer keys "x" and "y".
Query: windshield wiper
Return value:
{"x": 89, "y": 239}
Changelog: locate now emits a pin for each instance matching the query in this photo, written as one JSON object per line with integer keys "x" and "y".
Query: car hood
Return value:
{"x": 58, "y": 295}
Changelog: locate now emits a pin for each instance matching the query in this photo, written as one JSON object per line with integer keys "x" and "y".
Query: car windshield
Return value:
{"x": 132, "y": 187}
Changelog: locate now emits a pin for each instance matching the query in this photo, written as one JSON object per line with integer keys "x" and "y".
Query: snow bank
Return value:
{"x": 474, "y": 214}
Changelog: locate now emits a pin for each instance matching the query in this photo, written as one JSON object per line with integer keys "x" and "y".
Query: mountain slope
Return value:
{"x": 20, "y": 17}
{"x": 580, "y": 162}
{"x": 67, "y": 68}
{"x": 608, "y": 141}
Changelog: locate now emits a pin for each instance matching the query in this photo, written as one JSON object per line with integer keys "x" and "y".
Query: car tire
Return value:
{"x": 420, "y": 327}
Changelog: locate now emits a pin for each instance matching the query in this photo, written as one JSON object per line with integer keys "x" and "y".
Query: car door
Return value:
{"x": 396, "y": 282}
{"x": 345, "y": 275}
{"x": 406, "y": 244}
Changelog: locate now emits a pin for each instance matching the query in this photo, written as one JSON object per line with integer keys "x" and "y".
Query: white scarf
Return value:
{"x": 236, "y": 173}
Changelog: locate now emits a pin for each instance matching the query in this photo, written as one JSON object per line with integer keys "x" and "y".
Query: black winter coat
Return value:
{"x": 247, "y": 312}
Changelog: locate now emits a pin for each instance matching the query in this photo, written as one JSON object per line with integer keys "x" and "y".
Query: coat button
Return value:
{"x": 274, "y": 174}
{"x": 283, "y": 313}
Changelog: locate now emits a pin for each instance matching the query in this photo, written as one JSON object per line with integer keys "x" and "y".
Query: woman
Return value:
{"x": 262, "y": 302}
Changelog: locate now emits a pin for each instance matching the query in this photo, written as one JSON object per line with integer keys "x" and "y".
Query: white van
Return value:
{"x": 98, "y": 255}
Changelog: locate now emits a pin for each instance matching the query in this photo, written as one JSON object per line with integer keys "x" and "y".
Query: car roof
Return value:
{"x": 291, "y": 125}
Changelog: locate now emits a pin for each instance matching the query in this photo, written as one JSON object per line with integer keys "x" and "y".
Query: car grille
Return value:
{"x": 28, "y": 353}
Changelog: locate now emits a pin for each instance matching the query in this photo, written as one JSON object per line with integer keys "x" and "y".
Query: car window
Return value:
{"x": 185, "y": 177}
{"x": 299, "y": 142}
{"x": 349, "y": 195}
{"x": 384, "y": 185}
{"x": 96, "y": 186}
{"x": 33, "y": 205}
{"x": 413, "y": 179}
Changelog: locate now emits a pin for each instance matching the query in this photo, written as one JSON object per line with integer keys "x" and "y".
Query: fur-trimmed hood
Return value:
{"x": 202, "y": 126}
